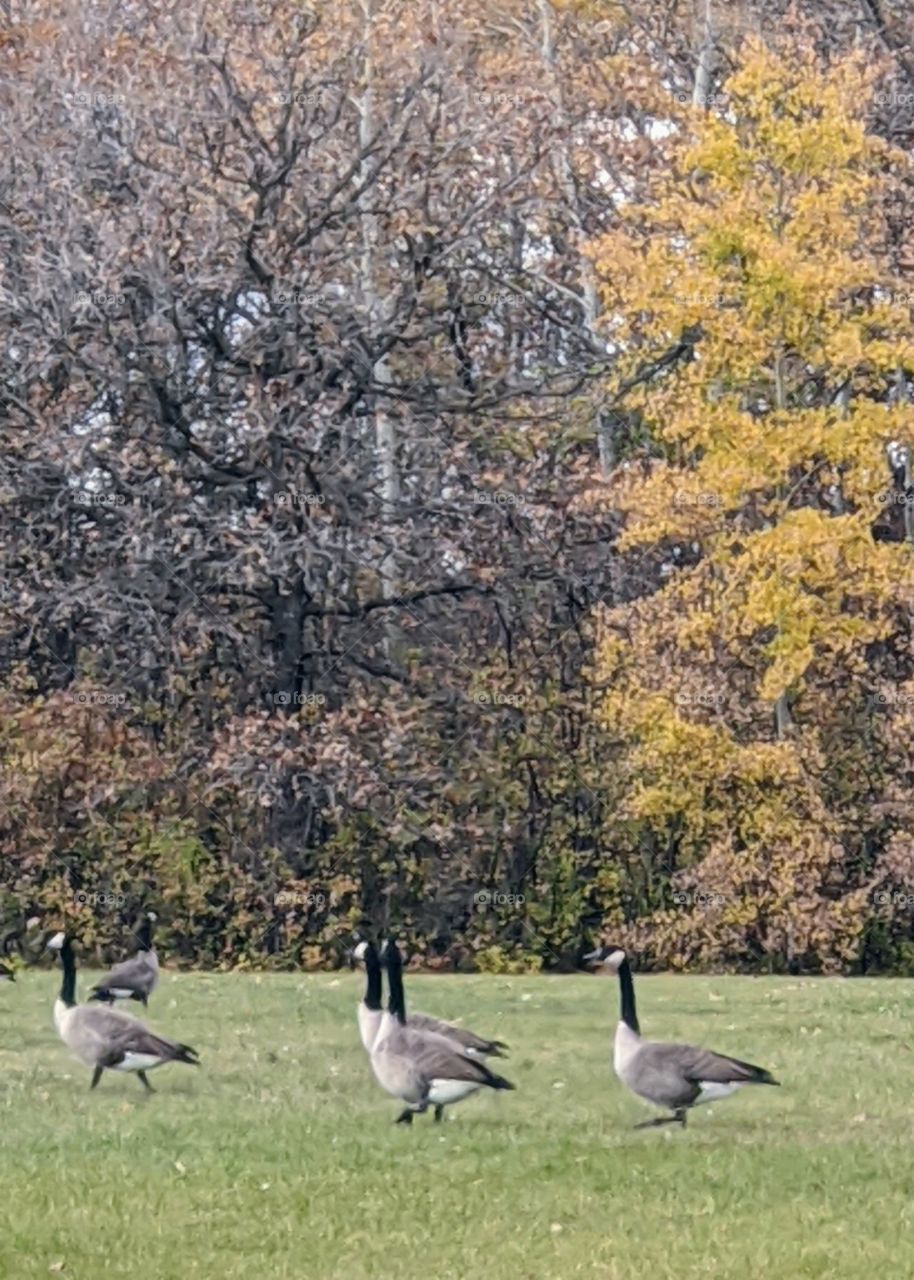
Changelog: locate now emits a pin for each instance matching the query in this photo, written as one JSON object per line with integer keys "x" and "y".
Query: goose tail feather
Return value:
{"x": 498, "y": 1082}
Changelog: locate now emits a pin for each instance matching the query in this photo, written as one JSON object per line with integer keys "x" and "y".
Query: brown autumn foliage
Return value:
{"x": 312, "y": 453}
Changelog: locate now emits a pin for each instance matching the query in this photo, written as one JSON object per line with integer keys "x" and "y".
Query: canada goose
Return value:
{"x": 107, "y": 1038}
{"x": 465, "y": 1040}
{"x": 421, "y": 1067}
{"x": 132, "y": 979}
{"x": 674, "y": 1076}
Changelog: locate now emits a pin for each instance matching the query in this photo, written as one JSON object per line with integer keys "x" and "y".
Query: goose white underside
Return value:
{"x": 713, "y": 1090}
{"x": 138, "y": 1062}
{"x": 444, "y": 1092}
{"x": 120, "y": 993}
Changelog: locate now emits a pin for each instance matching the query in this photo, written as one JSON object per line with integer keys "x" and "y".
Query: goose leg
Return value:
{"x": 145, "y": 1082}
{"x": 96, "y": 1076}
{"x": 439, "y": 1113}
{"x": 405, "y": 1117}
{"x": 677, "y": 1118}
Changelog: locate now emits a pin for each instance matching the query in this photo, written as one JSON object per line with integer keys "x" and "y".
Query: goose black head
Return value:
{"x": 357, "y": 953}
{"x": 608, "y": 956}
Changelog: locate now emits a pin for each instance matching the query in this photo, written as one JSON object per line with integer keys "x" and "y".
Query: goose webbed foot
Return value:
{"x": 405, "y": 1117}
{"x": 144, "y": 1080}
{"x": 96, "y": 1076}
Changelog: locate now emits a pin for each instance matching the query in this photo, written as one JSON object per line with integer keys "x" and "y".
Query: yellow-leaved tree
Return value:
{"x": 763, "y": 697}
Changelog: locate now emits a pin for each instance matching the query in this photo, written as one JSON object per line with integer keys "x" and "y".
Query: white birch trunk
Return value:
{"x": 376, "y": 309}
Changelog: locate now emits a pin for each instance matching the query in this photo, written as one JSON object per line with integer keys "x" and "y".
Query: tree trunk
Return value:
{"x": 377, "y": 312}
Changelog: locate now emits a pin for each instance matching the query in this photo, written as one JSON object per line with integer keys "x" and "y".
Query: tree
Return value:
{"x": 769, "y": 361}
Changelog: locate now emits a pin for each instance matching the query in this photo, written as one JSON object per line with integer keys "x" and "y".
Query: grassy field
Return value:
{"x": 278, "y": 1158}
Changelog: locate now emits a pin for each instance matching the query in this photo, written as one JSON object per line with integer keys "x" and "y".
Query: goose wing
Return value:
{"x": 703, "y": 1065}
{"x": 459, "y": 1035}
{"x": 437, "y": 1058}
{"x": 115, "y": 1035}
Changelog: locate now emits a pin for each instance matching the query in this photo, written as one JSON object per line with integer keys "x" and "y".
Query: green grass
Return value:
{"x": 278, "y": 1158}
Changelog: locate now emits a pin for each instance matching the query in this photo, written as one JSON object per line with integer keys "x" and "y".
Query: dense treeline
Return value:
{"x": 457, "y": 474}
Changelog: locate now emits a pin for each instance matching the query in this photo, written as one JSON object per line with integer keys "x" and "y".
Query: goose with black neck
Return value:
{"x": 676, "y": 1077}
{"x": 106, "y": 1039}
{"x": 422, "y": 1068}
{"x": 465, "y": 1040}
